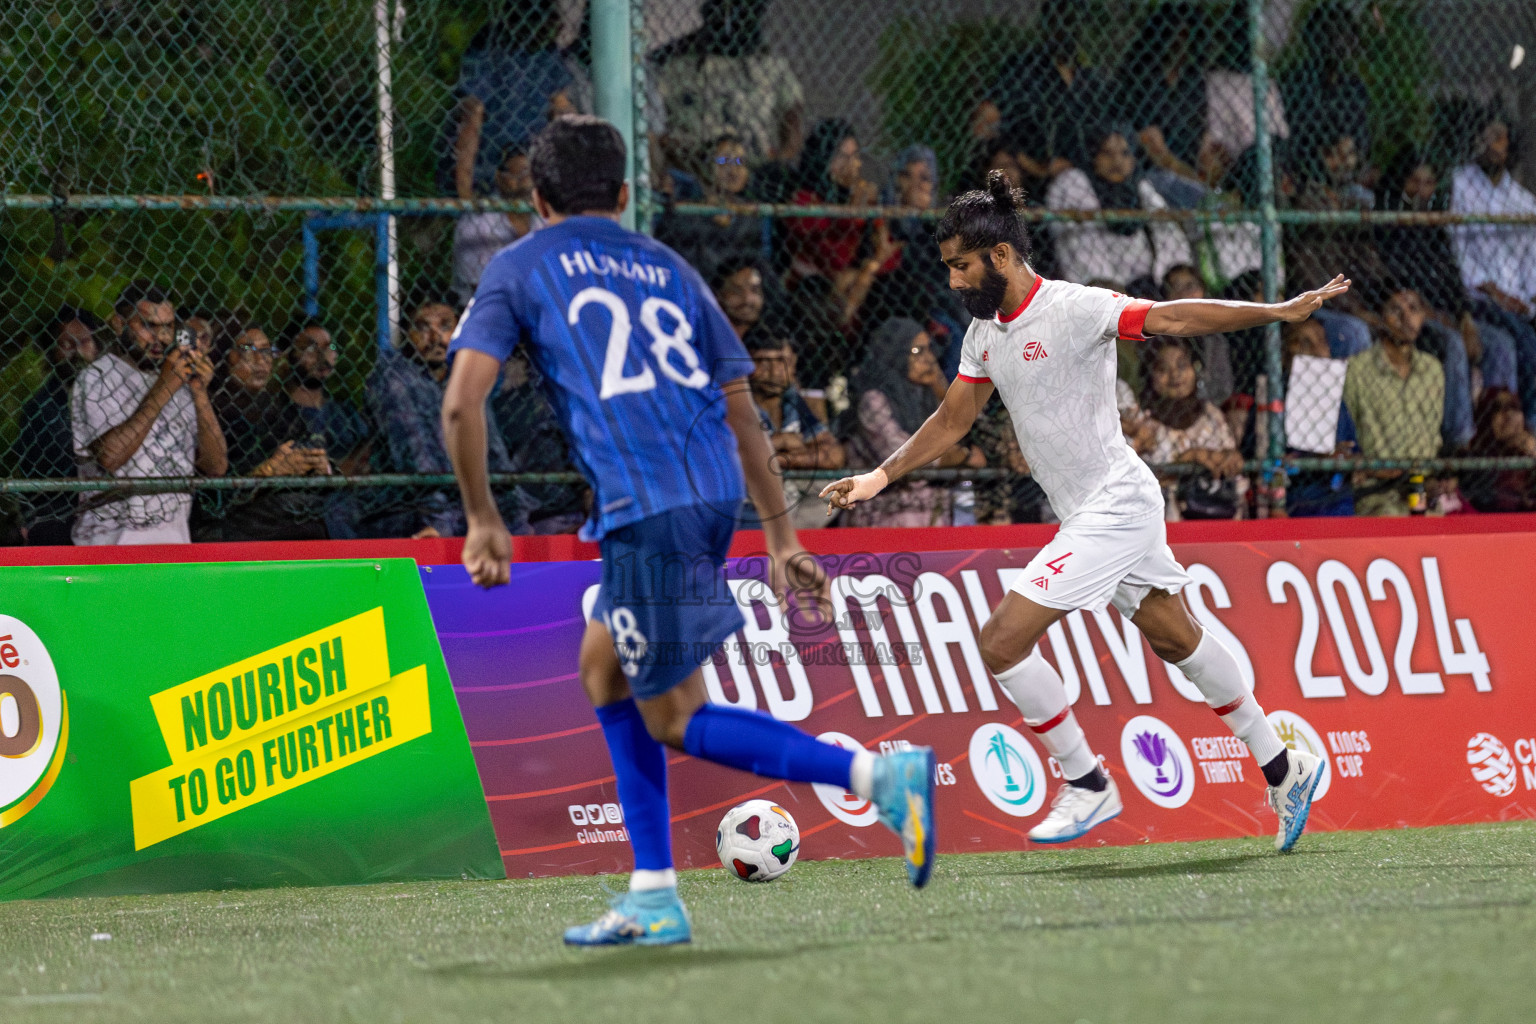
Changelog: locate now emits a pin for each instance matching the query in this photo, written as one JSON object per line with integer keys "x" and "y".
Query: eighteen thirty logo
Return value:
{"x": 34, "y": 720}
{"x": 1297, "y": 734}
{"x": 1007, "y": 770}
{"x": 276, "y": 720}
{"x": 1157, "y": 761}
{"x": 846, "y": 807}
{"x": 1491, "y": 764}
{"x": 1034, "y": 350}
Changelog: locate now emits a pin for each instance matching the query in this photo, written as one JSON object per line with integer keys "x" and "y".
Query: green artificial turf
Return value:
{"x": 1416, "y": 925}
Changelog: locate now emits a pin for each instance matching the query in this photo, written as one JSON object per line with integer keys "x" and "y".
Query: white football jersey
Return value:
{"x": 1053, "y": 362}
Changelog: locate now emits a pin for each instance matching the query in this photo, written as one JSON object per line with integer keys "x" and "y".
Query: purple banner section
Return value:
{"x": 511, "y": 653}
{"x": 1351, "y": 646}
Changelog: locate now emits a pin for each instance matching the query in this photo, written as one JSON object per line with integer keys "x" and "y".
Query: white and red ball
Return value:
{"x": 757, "y": 841}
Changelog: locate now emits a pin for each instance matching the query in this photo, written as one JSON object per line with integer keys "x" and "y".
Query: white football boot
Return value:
{"x": 1292, "y": 799}
{"x": 1075, "y": 811}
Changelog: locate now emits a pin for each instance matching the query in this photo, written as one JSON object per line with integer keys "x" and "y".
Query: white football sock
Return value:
{"x": 1037, "y": 690}
{"x": 642, "y": 880}
{"x": 861, "y": 777}
{"x": 1214, "y": 672}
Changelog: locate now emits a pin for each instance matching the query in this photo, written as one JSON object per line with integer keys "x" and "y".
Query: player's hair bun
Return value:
{"x": 1001, "y": 191}
{"x": 984, "y": 218}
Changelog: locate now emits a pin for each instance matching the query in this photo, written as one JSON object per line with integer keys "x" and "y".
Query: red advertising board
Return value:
{"x": 1397, "y": 649}
{"x": 1400, "y": 659}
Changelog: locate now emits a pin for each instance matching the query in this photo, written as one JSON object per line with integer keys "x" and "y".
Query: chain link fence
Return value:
{"x": 293, "y": 201}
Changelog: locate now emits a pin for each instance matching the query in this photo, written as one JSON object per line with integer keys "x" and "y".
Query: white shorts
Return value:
{"x": 1091, "y": 565}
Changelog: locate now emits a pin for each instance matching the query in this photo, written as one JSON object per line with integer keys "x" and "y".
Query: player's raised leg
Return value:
{"x": 1009, "y": 648}
{"x": 650, "y": 912}
{"x": 900, "y": 784}
{"x": 1175, "y": 637}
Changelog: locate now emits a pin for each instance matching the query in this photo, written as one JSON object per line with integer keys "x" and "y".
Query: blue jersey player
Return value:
{"x": 648, "y": 382}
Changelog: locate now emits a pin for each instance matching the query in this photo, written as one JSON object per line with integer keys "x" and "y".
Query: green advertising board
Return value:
{"x": 176, "y": 727}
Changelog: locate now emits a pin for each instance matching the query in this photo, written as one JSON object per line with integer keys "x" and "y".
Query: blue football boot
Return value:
{"x": 655, "y": 917}
{"x": 904, "y": 797}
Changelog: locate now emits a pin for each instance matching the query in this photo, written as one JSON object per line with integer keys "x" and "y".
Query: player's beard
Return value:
{"x": 984, "y": 302}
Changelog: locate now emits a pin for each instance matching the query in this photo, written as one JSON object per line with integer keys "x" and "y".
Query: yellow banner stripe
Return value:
{"x": 227, "y": 706}
{"x": 239, "y": 774}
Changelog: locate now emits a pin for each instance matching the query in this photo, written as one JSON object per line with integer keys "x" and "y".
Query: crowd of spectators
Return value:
{"x": 157, "y": 391}
{"x": 849, "y": 318}
{"x": 1439, "y": 316}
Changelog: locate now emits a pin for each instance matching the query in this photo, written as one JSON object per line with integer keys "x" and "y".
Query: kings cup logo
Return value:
{"x": 1297, "y": 734}
{"x": 34, "y": 720}
{"x": 1157, "y": 761}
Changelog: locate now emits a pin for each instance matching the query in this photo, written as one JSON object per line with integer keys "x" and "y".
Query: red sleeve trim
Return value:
{"x": 973, "y": 380}
{"x": 1133, "y": 320}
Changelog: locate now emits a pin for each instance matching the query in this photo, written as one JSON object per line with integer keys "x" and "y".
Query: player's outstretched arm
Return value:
{"x": 943, "y": 430}
{"x": 1191, "y": 317}
{"x": 792, "y": 568}
{"x": 487, "y": 545}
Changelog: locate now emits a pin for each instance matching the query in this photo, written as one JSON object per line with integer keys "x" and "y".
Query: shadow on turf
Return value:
{"x": 617, "y": 962}
{"x": 1116, "y": 869}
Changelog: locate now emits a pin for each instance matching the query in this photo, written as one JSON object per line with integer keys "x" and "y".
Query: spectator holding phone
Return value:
{"x": 142, "y": 410}
{"x": 309, "y": 354}
{"x": 267, "y": 438}
{"x": 1187, "y": 428}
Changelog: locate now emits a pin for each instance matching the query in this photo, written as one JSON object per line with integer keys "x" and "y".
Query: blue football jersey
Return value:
{"x": 632, "y": 349}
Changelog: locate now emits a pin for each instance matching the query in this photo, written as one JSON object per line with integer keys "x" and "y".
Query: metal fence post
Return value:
{"x": 613, "y": 79}
{"x": 385, "y": 27}
{"x": 643, "y": 199}
{"x": 1269, "y": 228}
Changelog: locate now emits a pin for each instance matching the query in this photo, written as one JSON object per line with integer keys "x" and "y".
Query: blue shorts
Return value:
{"x": 664, "y": 597}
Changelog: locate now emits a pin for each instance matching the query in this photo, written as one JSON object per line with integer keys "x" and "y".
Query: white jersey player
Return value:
{"x": 1048, "y": 349}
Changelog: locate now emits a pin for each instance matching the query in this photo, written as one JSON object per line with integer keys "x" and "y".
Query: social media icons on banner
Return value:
{"x": 1157, "y": 761}
{"x": 33, "y": 720}
{"x": 1297, "y": 734}
{"x": 846, "y": 807}
{"x": 1007, "y": 770}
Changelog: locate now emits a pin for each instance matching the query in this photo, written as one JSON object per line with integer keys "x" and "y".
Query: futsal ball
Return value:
{"x": 757, "y": 841}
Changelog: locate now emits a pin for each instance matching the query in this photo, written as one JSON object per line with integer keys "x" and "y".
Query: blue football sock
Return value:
{"x": 759, "y": 743}
{"x": 640, "y": 768}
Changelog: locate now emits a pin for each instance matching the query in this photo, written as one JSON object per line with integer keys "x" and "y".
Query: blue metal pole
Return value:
{"x": 613, "y": 78}
{"x": 1269, "y": 229}
{"x": 381, "y": 266}
{"x": 311, "y": 268}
